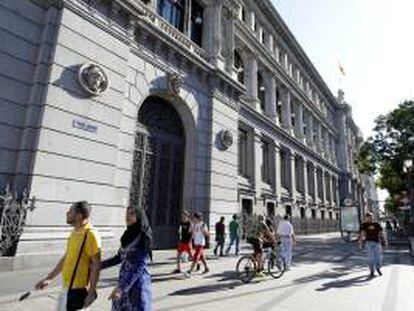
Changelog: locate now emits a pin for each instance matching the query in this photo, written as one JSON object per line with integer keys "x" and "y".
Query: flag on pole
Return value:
{"x": 341, "y": 69}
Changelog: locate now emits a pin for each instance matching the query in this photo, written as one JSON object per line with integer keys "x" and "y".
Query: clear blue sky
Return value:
{"x": 372, "y": 39}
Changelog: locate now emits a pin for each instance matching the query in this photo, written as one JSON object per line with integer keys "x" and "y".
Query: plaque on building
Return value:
{"x": 92, "y": 79}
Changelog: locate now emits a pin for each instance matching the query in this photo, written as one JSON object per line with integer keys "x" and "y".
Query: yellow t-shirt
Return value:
{"x": 91, "y": 248}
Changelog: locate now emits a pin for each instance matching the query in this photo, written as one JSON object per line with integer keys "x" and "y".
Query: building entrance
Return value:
{"x": 158, "y": 169}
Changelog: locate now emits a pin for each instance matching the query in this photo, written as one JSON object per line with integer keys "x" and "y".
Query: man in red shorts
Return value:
{"x": 184, "y": 244}
{"x": 200, "y": 232}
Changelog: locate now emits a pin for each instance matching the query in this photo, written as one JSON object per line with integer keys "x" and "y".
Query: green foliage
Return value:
{"x": 384, "y": 152}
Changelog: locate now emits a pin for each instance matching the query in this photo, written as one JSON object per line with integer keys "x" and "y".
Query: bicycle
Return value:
{"x": 273, "y": 263}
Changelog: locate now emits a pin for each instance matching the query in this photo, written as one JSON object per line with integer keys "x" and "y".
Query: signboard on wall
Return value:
{"x": 350, "y": 219}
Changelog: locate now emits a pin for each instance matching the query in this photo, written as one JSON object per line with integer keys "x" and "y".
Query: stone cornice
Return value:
{"x": 270, "y": 11}
{"x": 252, "y": 44}
{"x": 309, "y": 153}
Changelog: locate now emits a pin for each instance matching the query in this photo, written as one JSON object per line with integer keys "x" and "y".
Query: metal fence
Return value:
{"x": 13, "y": 212}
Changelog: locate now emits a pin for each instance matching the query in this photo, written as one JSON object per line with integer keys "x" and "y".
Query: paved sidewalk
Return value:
{"x": 328, "y": 275}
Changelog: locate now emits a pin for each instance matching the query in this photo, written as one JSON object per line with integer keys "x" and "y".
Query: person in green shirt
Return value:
{"x": 234, "y": 230}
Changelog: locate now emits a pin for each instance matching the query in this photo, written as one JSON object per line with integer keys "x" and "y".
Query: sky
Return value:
{"x": 373, "y": 40}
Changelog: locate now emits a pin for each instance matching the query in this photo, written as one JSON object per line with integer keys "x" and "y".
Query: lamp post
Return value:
{"x": 407, "y": 168}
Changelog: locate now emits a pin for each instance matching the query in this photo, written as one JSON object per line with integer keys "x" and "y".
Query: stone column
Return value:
{"x": 270, "y": 94}
{"x": 286, "y": 111}
{"x": 278, "y": 173}
{"x": 305, "y": 179}
{"x": 251, "y": 78}
{"x": 250, "y": 19}
{"x": 228, "y": 45}
{"x": 323, "y": 188}
{"x": 311, "y": 143}
{"x": 299, "y": 122}
{"x": 316, "y": 186}
{"x": 293, "y": 175}
{"x": 319, "y": 137}
{"x": 333, "y": 149}
{"x": 257, "y": 163}
{"x": 212, "y": 34}
{"x": 331, "y": 181}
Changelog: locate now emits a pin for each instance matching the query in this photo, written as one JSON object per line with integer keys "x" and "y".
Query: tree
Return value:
{"x": 385, "y": 151}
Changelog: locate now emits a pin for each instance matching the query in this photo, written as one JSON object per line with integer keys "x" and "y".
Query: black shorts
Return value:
{"x": 257, "y": 246}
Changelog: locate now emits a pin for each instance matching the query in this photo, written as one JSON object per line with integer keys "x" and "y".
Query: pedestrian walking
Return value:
{"x": 185, "y": 237}
{"x": 220, "y": 236}
{"x": 234, "y": 231}
{"x": 373, "y": 236}
{"x": 133, "y": 292}
{"x": 287, "y": 237}
{"x": 79, "y": 265}
{"x": 200, "y": 232}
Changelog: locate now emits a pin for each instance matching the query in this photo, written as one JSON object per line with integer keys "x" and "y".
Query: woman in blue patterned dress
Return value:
{"x": 133, "y": 292}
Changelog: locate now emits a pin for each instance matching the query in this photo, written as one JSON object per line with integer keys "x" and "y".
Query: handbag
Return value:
{"x": 76, "y": 296}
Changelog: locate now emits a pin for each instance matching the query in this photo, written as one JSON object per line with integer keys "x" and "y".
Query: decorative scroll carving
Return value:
{"x": 175, "y": 83}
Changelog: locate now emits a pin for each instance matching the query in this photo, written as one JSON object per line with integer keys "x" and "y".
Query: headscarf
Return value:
{"x": 139, "y": 229}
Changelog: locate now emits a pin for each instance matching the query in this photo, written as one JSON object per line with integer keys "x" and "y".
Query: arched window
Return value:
{"x": 261, "y": 91}
{"x": 239, "y": 67}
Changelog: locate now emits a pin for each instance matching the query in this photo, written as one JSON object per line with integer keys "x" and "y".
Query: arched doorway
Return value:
{"x": 158, "y": 168}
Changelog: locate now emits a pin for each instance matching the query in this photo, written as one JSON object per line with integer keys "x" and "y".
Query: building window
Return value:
{"x": 173, "y": 12}
{"x": 243, "y": 14}
{"x": 328, "y": 187}
{"x": 179, "y": 15}
{"x": 293, "y": 114}
{"x": 266, "y": 168}
{"x": 279, "y": 106}
{"x": 196, "y": 23}
{"x": 330, "y": 216}
{"x": 270, "y": 206}
{"x": 243, "y": 152}
{"x": 239, "y": 67}
{"x": 313, "y": 212}
{"x": 288, "y": 210}
{"x": 261, "y": 91}
{"x": 320, "y": 189}
{"x": 302, "y": 213}
{"x": 323, "y": 215}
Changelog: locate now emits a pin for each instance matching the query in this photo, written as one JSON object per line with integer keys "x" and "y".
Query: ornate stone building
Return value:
{"x": 203, "y": 105}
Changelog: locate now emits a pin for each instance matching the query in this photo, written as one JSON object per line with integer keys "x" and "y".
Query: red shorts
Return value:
{"x": 184, "y": 248}
{"x": 198, "y": 253}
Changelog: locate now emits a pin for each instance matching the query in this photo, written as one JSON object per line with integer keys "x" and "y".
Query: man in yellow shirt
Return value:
{"x": 83, "y": 243}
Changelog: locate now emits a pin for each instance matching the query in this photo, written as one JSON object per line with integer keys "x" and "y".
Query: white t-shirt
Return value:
{"x": 199, "y": 238}
{"x": 285, "y": 228}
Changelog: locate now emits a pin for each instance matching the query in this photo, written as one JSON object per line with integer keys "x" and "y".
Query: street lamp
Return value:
{"x": 407, "y": 168}
{"x": 407, "y": 165}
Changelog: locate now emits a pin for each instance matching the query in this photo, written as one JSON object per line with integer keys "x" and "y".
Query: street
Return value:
{"x": 328, "y": 274}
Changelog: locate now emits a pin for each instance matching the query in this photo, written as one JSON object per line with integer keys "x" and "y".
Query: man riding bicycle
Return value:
{"x": 258, "y": 234}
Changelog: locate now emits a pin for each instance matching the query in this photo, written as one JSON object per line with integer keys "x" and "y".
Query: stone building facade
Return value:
{"x": 203, "y": 105}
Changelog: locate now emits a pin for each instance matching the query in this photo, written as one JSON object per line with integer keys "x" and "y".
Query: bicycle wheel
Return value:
{"x": 246, "y": 268}
{"x": 276, "y": 266}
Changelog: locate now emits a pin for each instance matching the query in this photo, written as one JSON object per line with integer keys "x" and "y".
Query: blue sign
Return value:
{"x": 84, "y": 125}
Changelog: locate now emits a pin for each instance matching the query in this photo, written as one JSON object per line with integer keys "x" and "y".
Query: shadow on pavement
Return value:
{"x": 356, "y": 281}
{"x": 220, "y": 287}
